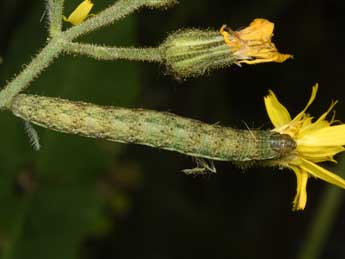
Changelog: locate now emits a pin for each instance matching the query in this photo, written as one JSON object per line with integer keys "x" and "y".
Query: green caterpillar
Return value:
{"x": 156, "y": 129}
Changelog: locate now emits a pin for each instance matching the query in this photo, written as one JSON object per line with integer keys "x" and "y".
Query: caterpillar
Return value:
{"x": 156, "y": 129}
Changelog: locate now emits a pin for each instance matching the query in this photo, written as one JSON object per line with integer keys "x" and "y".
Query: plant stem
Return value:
{"x": 113, "y": 53}
{"x": 150, "y": 128}
{"x": 57, "y": 43}
{"x": 55, "y": 9}
{"x": 30, "y": 72}
{"x": 113, "y": 13}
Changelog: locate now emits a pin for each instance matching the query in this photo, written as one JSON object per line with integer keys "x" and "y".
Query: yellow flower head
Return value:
{"x": 253, "y": 45}
{"x": 80, "y": 13}
{"x": 317, "y": 141}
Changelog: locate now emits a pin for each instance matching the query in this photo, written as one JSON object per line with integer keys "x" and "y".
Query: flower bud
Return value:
{"x": 191, "y": 53}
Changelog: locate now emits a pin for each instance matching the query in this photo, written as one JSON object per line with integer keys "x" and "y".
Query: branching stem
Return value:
{"x": 30, "y": 72}
{"x": 60, "y": 39}
{"x": 113, "y": 13}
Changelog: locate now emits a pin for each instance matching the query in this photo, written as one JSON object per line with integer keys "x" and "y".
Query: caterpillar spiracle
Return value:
{"x": 156, "y": 129}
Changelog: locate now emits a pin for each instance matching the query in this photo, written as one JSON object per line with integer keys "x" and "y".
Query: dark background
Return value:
{"x": 86, "y": 198}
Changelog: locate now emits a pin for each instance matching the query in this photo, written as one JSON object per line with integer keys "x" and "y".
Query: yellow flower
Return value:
{"x": 317, "y": 141}
{"x": 253, "y": 45}
{"x": 80, "y": 13}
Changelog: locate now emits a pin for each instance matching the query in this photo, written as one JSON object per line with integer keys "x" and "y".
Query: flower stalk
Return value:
{"x": 113, "y": 53}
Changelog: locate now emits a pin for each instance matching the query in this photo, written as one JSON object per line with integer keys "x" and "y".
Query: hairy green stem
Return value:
{"x": 55, "y": 9}
{"x": 30, "y": 72}
{"x": 151, "y": 128}
{"x": 113, "y": 53}
{"x": 113, "y": 13}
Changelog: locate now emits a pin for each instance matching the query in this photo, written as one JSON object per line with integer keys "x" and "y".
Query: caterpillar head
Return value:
{"x": 283, "y": 144}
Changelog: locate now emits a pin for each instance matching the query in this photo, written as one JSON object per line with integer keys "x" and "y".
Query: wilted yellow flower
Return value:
{"x": 317, "y": 141}
{"x": 194, "y": 52}
{"x": 253, "y": 45}
{"x": 80, "y": 13}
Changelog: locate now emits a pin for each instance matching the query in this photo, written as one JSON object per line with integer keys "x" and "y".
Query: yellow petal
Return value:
{"x": 259, "y": 29}
{"x": 324, "y": 115}
{"x": 305, "y": 122}
{"x": 327, "y": 136}
{"x": 300, "y": 199}
{"x": 277, "y": 113}
{"x": 311, "y": 99}
{"x": 319, "y": 153}
{"x": 253, "y": 45}
{"x": 308, "y": 129}
{"x": 260, "y": 55}
{"x": 319, "y": 124}
{"x": 80, "y": 13}
{"x": 322, "y": 173}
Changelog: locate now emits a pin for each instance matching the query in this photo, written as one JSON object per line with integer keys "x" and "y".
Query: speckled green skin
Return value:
{"x": 156, "y": 129}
